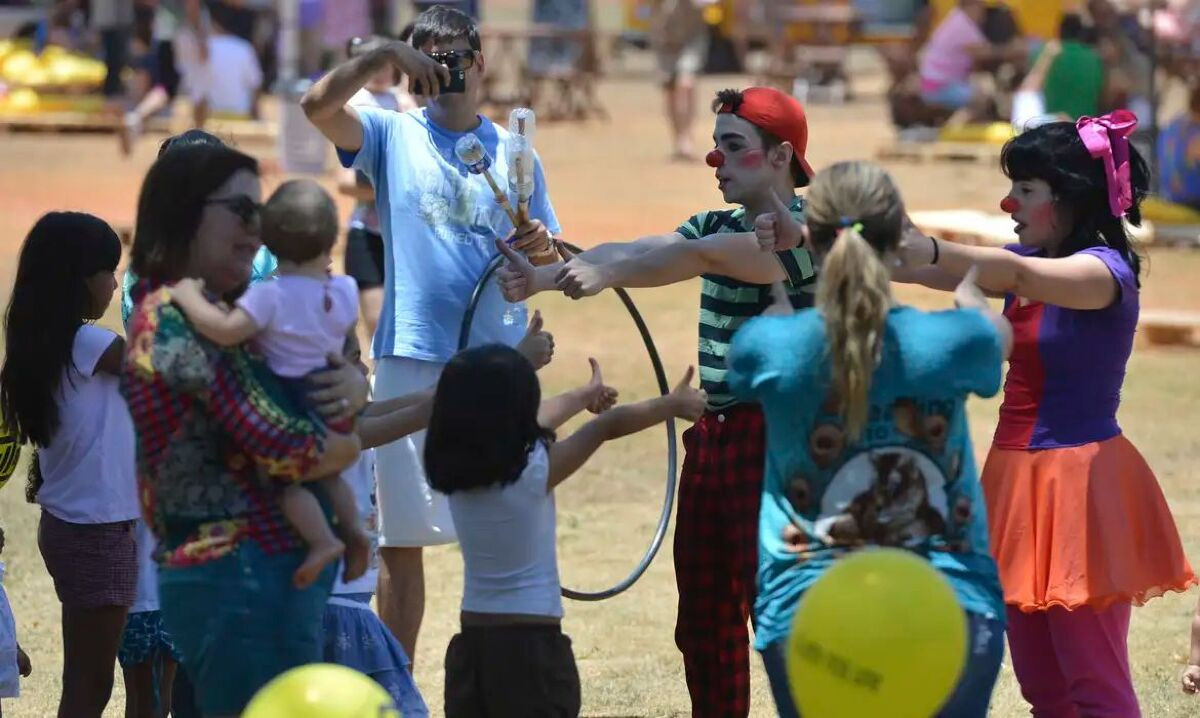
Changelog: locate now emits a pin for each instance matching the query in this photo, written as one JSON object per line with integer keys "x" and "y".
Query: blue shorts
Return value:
{"x": 238, "y": 622}
{"x": 970, "y": 698}
{"x": 954, "y": 95}
{"x": 143, "y": 639}
{"x": 298, "y": 388}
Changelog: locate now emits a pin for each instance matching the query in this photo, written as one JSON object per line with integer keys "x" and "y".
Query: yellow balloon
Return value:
{"x": 880, "y": 634}
{"x": 322, "y": 690}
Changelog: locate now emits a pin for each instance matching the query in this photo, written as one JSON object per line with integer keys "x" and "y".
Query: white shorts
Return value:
{"x": 410, "y": 513}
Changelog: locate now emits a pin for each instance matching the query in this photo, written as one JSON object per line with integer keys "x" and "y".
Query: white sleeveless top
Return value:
{"x": 508, "y": 544}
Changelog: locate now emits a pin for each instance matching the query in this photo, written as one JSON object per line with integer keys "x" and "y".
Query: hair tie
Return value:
{"x": 1107, "y": 138}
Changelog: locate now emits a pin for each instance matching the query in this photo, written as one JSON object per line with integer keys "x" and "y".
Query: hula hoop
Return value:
{"x": 664, "y": 388}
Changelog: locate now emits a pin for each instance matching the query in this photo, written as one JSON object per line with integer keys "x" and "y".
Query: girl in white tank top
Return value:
{"x": 490, "y": 447}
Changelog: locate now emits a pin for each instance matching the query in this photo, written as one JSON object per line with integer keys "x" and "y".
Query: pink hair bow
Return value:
{"x": 1107, "y": 138}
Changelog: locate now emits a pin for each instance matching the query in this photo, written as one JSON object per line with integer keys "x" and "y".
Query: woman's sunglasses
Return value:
{"x": 245, "y": 208}
{"x": 454, "y": 59}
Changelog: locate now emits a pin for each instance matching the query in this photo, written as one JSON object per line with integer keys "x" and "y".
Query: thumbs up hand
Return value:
{"x": 538, "y": 344}
{"x": 777, "y": 230}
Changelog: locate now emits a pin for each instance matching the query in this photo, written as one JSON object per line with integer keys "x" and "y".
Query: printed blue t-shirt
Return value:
{"x": 439, "y": 224}
{"x": 910, "y": 478}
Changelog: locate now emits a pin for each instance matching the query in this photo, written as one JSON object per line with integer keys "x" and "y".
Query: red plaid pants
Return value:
{"x": 716, "y": 556}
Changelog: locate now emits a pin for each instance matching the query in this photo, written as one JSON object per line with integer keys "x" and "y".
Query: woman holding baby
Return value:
{"x": 220, "y": 438}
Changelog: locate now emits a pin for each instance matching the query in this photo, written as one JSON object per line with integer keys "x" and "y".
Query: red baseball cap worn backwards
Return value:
{"x": 778, "y": 113}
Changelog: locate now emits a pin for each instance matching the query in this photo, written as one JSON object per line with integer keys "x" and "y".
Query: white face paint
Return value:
{"x": 745, "y": 168}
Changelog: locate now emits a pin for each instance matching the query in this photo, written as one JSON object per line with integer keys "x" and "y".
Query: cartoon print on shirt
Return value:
{"x": 902, "y": 492}
{"x": 826, "y": 443}
{"x": 931, "y": 429}
{"x": 895, "y": 509}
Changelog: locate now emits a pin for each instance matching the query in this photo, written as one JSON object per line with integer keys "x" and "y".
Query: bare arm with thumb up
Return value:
{"x": 538, "y": 344}
{"x": 778, "y": 230}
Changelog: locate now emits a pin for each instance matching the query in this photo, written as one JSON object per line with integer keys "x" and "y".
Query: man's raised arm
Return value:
{"x": 325, "y": 102}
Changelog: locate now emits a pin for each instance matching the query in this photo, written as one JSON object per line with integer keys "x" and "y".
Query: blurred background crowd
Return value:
{"x": 958, "y": 69}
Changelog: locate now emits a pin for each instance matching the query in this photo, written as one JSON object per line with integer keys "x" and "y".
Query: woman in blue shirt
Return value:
{"x": 867, "y": 440}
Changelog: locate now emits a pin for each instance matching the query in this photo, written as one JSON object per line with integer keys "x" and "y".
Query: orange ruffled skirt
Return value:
{"x": 1081, "y": 526}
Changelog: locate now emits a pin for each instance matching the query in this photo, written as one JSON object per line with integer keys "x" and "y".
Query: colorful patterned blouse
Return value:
{"x": 217, "y": 437}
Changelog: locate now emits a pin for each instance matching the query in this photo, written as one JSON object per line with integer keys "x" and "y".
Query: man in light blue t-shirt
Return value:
{"x": 439, "y": 224}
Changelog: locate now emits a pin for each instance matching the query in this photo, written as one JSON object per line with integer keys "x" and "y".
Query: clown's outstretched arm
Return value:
{"x": 519, "y": 280}
{"x": 1080, "y": 281}
{"x": 737, "y": 256}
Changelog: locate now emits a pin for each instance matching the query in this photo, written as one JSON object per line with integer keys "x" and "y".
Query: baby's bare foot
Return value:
{"x": 319, "y": 556}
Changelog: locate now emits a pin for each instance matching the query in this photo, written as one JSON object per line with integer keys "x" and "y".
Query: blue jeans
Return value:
{"x": 238, "y": 622}
{"x": 953, "y": 95}
{"x": 970, "y": 698}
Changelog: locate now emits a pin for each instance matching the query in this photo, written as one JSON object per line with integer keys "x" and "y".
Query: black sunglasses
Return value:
{"x": 454, "y": 59}
{"x": 245, "y": 208}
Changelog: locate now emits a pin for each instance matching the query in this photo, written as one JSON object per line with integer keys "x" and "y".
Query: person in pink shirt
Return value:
{"x": 950, "y": 56}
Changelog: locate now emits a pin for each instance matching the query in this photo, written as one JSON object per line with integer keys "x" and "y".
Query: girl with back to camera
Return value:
{"x": 1079, "y": 525}
{"x": 490, "y": 447}
{"x": 59, "y": 391}
{"x": 867, "y": 437}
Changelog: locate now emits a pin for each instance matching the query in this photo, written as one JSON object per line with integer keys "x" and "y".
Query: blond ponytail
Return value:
{"x": 854, "y": 296}
{"x": 853, "y": 286}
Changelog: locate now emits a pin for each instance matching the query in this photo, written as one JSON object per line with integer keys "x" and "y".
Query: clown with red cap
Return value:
{"x": 760, "y": 138}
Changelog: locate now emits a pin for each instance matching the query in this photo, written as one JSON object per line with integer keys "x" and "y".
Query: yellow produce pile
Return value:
{"x": 1161, "y": 211}
{"x": 56, "y": 67}
{"x": 994, "y": 133}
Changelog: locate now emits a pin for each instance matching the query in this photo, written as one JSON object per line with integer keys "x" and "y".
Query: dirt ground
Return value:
{"x": 611, "y": 181}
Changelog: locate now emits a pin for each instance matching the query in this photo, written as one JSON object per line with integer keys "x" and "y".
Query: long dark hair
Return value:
{"x": 484, "y": 421}
{"x": 50, "y": 301}
{"x": 172, "y": 202}
{"x": 1055, "y": 154}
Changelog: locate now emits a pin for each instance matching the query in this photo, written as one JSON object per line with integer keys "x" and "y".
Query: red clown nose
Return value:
{"x": 1009, "y": 205}
{"x": 716, "y": 158}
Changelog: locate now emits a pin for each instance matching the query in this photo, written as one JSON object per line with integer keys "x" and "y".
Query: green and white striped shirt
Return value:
{"x": 726, "y": 303}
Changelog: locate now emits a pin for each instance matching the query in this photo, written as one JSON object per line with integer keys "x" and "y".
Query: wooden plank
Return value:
{"x": 1169, "y": 327}
{"x": 969, "y": 226}
{"x": 966, "y": 227}
{"x": 1184, "y": 236}
{"x": 818, "y": 14}
{"x": 70, "y": 122}
{"x": 58, "y": 122}
{"x": 244, "y": 131}
{"x": 941, "y": 151}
